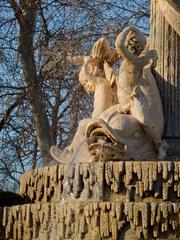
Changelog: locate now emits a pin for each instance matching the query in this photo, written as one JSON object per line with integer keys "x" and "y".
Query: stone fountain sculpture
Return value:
{"x": 133, "y": 127}
{"x": 112, "y": 182}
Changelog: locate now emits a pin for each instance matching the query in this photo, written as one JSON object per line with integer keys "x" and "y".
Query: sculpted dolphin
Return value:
{"x": 125, "y": 137}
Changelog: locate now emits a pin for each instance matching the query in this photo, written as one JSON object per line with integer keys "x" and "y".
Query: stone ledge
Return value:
{"x": 93, "y": 220}
{"x": 107, "y": 181}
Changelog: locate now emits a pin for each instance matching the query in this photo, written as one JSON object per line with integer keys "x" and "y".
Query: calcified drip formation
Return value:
{"x": 114, "y": 200}
{"x": 92, "y": 220}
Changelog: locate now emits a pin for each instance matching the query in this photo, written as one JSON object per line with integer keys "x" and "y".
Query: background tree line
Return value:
{"x": 40, "y": 97}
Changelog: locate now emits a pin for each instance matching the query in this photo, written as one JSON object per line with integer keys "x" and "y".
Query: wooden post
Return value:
{"x": 164, "y": 37}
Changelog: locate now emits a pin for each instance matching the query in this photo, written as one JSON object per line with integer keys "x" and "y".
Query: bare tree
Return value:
{"x": 41, "y": 98}
{"x": 26, "y": 13}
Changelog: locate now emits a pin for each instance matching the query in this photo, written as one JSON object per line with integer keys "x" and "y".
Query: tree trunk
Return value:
{"x": 165, "y": 27}
{"x": 26, "y": 16}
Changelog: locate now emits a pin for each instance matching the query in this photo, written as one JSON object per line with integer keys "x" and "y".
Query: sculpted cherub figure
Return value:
{"x": 139, "y": 101}
{"x": 137, "y": 91}
{"x": 92, "y": 78}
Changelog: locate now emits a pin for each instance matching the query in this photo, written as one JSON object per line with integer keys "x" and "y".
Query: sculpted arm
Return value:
{"x": 130, "y": 43}
{"x": 149, "y": 57}
{"x": 121, "y": 47}
{"x": 76, "y": 59}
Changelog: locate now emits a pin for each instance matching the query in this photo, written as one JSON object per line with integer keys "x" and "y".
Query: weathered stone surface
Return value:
{"x": 93, "y": 220}
{"x": 110, "y": 181}
{"x": 43, "y": 184}
{"x": 8, "y": 198}
{"x": 165, "y": 39}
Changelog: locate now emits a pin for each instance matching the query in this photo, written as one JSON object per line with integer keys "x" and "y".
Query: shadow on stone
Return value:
{"x": 12, "y": 199}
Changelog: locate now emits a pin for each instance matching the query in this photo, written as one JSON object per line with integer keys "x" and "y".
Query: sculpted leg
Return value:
{"x": 110, "y": 112}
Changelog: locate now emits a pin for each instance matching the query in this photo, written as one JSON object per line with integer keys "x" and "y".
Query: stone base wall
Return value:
{"x": 106, "y": 181}
{"x": 93, "y": 220}
{"x": 108, "y": 200}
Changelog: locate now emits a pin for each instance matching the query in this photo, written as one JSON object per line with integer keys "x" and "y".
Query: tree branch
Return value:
{"x": 17, "y": 10}
{"x": 10, "y": 109}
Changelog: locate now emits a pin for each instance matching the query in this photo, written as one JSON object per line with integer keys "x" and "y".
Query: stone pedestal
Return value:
{"x": 112, "y": 200}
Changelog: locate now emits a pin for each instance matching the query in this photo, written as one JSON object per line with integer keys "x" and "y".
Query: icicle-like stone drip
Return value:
{"x": 107, "y": 181}
{"x": 43, "y": 184}
{"x": 95, "y": 220}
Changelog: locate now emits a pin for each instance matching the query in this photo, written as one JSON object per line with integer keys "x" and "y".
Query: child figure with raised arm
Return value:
{"x": 137, "y": 91}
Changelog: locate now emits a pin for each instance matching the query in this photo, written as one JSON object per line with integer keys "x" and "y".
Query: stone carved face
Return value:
{"x": 136, "y": 42}
{"x": 89, "y": 86}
